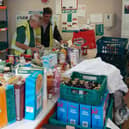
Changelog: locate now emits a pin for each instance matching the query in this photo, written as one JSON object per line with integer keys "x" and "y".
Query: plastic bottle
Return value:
{"x": 57, "y": 80}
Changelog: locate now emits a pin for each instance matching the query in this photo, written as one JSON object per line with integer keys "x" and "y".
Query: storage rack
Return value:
{"x": 4, "y": 28}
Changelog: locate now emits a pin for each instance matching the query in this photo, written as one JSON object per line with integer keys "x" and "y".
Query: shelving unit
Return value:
{"x": 4, "y": 29}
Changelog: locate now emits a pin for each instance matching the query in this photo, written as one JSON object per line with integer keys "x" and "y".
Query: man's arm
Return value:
{"x": 22, "y": 46}
{"x": 21, "y": 37}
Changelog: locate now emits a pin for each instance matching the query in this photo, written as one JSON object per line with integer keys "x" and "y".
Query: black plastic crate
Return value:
{"x": 117, "y": 60}
{"x": 112, "y": 45}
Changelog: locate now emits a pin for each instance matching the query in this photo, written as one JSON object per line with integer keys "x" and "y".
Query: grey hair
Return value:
{"x": 36, "y": 18}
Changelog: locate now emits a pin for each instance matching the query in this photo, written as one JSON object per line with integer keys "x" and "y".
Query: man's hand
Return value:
{"x": 63, "y": 42}
{"x": 34, "y": 49}
{"x": 38, "y": 44}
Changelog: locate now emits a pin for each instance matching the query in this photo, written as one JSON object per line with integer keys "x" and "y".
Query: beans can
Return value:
{"x": 11, "y": 59}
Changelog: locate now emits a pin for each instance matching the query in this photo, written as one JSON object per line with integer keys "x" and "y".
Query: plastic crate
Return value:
{"x": 119, "y": 61}
{"x": 95, "y": 96}
{"x": 112, "y": 45}
{"x": 53, "y": 120}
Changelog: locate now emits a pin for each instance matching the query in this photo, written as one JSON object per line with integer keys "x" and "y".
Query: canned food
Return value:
{"x": 11, "y": 59}
{"x": 61, "y": 58}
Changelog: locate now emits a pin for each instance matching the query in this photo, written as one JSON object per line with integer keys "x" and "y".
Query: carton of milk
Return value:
{"x": 73, "y": 113}
{"x": 85, "y": 116}
{"x": 33, "y": 95}
{"x": 62, "y": 110}
{"x": 99, "y": 113}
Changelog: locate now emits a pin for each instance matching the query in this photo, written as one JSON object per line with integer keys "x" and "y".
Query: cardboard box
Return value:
{"x": 49, "y": 61}
{"x": 33, "y": 95}
{"x": 62, "y": 110}
{"x": 3, "y": 107}
{"x": 99, "y": 113}
{"x": 73, "y": 113}
{"x": 26, "y": 71}
{"x": 85, "y": 115}
{"x": 10, "y": 101}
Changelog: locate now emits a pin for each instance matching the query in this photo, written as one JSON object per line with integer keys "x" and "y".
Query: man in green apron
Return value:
{"x": 24, "y": 38}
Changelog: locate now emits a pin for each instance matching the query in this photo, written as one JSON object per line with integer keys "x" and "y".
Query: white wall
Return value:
{"x": 92, "y": 6}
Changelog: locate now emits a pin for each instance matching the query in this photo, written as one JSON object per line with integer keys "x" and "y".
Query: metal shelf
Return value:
{"x": 3, "y": 29}
{"x": 5, "y": 50}
{"x": 3, "y": 7}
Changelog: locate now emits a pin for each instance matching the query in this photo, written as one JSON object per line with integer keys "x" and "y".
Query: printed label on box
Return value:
{"x": 29, "y": 109}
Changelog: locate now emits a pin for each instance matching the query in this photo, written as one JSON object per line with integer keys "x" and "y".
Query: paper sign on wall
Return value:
{"x": 99, "y": 29}
{"x": 69, "y": 21}
{"x": 96, "y": 18}
{"x": 22, "y": 17}
{"x": 125, "y": 19}
{"x": 58, "y": 6}
{"x": 69, "y": 4}
{"x": 81, "y": 10}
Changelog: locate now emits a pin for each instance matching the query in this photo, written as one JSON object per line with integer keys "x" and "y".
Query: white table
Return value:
{"x": 29, "y": 124}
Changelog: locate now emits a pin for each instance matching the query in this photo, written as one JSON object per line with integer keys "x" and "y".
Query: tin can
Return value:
{"x": 62, "y": 58}
{"x": 36, "y": 55}
{"x": 73, "y": 59}
{"x": 11, "y": 59}
{"x": 16, "y": 59}
{"x": 84, "y": 50}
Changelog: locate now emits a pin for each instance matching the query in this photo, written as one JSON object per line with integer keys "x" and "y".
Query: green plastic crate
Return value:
{"x": 95, "y": 96}
{"x": 112, "y": 45}
{"x": 54, "y": 121}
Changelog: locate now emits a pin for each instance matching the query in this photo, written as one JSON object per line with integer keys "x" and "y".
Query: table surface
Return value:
{"x": 32, "y": 124}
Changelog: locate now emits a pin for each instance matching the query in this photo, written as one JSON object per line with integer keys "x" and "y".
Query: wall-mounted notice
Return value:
{"x": 99, "y": 29}
{"x": 58, "y": 6}
{"x": 69, "y": 4}
{"x": 69, "y": 21}
{"x": 96, "y": 18}
{"x": 125, "y": 19}
{"x": 22, "y": 17}
{"x": 81, "y": 10}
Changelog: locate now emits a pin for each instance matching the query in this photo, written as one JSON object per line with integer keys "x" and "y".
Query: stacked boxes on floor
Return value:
{"x": 99, "y": 113}
{"x": 85, "y": 114}
{"x": 87, "y": 110}
{"x": 113, "y": 51}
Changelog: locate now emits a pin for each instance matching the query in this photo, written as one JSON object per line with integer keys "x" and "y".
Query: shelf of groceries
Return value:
{"x": 22, "y": 85}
